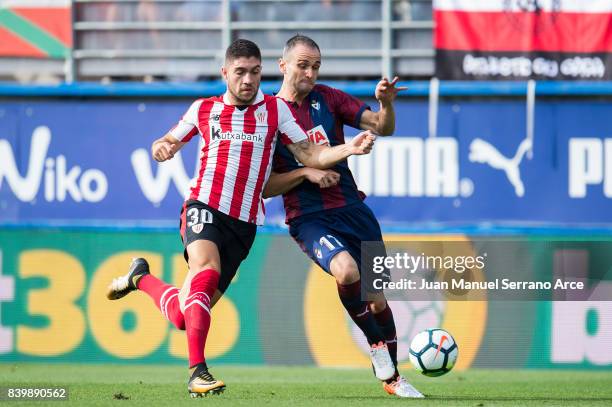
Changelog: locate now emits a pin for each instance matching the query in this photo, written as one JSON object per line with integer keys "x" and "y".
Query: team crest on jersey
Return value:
{"x": 315, "y": 104}
{"x": 317, "y": 135}
{"x": 197, "y": 228}
{"x": 261, "y": 117}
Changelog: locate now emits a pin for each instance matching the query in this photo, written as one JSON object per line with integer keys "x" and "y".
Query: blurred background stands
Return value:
{"x": 186, "y": 39}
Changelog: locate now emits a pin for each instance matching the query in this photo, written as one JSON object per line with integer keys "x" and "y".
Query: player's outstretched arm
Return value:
{"x": 278, "y": 184}
{"x": 324, "y": 157}
{"x": 383, "y": 121}
{"x": 165, "y": 147}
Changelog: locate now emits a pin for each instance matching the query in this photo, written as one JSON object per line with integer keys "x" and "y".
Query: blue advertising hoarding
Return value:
{"x": 88, "y": 162}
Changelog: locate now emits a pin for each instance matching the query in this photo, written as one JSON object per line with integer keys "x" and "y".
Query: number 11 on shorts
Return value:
{"x": 325, "y": 241}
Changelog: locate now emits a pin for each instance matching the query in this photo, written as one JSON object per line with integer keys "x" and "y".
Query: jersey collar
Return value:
{"x": 258, "y": 98}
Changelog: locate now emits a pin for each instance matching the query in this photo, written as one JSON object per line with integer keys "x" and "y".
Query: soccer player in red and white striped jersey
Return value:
{"x": 219, "y": 219}
{"x": 240, "y": 142}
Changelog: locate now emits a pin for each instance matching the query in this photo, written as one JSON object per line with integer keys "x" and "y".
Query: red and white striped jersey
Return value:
{"x": 236, "y": 159}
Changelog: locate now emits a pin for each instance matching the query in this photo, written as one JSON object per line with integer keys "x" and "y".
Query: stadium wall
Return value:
{"x": 79, "y": 197}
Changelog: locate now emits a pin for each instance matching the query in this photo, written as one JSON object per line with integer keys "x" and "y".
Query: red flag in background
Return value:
{"x": 523, "y": 39}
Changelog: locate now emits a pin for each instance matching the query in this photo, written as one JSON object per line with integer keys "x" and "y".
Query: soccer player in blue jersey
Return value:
{"x": 325, "y": 211}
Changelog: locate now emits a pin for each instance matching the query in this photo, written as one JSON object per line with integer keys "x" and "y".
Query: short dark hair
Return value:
{"x": 299, "y": 39}
{"x": 242, "y": 48}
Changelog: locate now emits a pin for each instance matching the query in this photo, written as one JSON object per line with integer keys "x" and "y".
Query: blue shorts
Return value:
{"x": 324, "y": 234}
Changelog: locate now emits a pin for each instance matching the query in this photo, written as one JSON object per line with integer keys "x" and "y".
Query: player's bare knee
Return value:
{"x": 344, "y": 268}
{"x": 203, "y": 255}
{"x": 200, "y": 264}
{"x": 378, "y": 305}
{"x": 345, "y": 279}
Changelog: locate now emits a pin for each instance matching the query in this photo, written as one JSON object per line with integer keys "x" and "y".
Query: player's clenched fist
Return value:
{"x": 162, "y": 151}
{"x": 363, "y": 143}
{"x": 323, "y": 178}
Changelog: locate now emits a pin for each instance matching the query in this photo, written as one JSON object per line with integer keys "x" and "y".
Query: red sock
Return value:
{"x": 165, "y": 297}
{"x": 197, "y": 313}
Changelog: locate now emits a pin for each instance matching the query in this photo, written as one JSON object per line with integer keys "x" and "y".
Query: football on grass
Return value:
{"x": 433, "y": 352}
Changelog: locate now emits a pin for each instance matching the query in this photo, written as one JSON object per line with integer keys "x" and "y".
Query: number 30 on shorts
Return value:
{"x": 196, "y": 216}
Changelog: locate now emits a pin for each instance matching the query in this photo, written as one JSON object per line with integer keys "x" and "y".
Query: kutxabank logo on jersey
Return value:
{"x": 217, "y": 134}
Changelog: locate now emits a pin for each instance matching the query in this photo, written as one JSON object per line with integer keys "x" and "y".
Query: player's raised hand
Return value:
{"x": 387, "y": 91}
{"x": 323, "y": 178}
{"x": 362, "y": 143}
{"x": 162, "y": 151}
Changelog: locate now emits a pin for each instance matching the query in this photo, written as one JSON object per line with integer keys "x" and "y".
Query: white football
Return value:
{"x": 433, "y": 352}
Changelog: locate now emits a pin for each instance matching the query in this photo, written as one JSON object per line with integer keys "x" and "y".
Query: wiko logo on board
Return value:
{"x": 58, "y": 179}
{"x": 155, "y": 187}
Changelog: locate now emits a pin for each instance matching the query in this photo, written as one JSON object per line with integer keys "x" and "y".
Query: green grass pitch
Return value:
{"x": 150, "y": 385}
